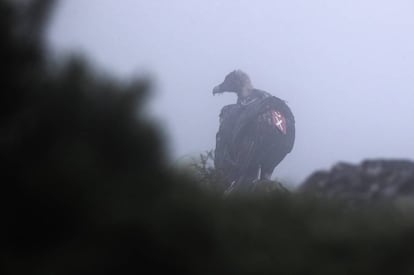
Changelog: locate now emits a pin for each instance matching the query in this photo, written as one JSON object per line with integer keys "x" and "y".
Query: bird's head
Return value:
{"x": 237, "y": 82}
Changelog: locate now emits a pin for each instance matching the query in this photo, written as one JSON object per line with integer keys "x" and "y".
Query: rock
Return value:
{"x": 371, "y": 180}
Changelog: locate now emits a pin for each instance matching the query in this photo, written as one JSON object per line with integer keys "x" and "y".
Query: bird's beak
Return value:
{"x": 217, "y": 90}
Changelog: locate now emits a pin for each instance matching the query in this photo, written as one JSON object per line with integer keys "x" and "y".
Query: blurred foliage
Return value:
{"x": 86, "y": 187}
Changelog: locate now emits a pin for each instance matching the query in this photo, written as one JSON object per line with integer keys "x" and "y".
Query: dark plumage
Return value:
{"x": 255, "y": 134}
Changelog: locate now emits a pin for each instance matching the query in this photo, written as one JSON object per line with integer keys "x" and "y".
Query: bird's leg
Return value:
{"x": 265, "y": 174}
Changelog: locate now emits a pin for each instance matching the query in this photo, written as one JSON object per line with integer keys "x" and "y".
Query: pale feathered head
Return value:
{"x": 235, "y": 82}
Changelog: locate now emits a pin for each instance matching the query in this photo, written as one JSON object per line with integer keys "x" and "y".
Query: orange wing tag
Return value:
{"x": 279, "y": 121}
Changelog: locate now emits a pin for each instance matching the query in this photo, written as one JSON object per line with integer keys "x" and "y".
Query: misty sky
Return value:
{"x": 345, "y": 67}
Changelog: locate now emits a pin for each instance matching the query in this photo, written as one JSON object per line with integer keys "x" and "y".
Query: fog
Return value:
{"x": 345, "y": 68}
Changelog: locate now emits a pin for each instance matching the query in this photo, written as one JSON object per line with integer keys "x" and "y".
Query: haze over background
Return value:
{"x": 345, "y": 67}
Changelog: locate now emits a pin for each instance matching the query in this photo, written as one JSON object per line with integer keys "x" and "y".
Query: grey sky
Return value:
{"x": 345, "y": 67}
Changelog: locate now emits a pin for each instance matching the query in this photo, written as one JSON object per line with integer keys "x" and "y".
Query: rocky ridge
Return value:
{"x": 371, "y": 180}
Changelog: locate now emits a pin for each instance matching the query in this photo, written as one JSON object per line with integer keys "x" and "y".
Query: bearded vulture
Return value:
{"x": 255, "y": 133}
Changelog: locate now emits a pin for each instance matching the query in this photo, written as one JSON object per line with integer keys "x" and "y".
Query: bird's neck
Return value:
{"x": 245, "y": 92}
{"x": 246, "y": 97}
